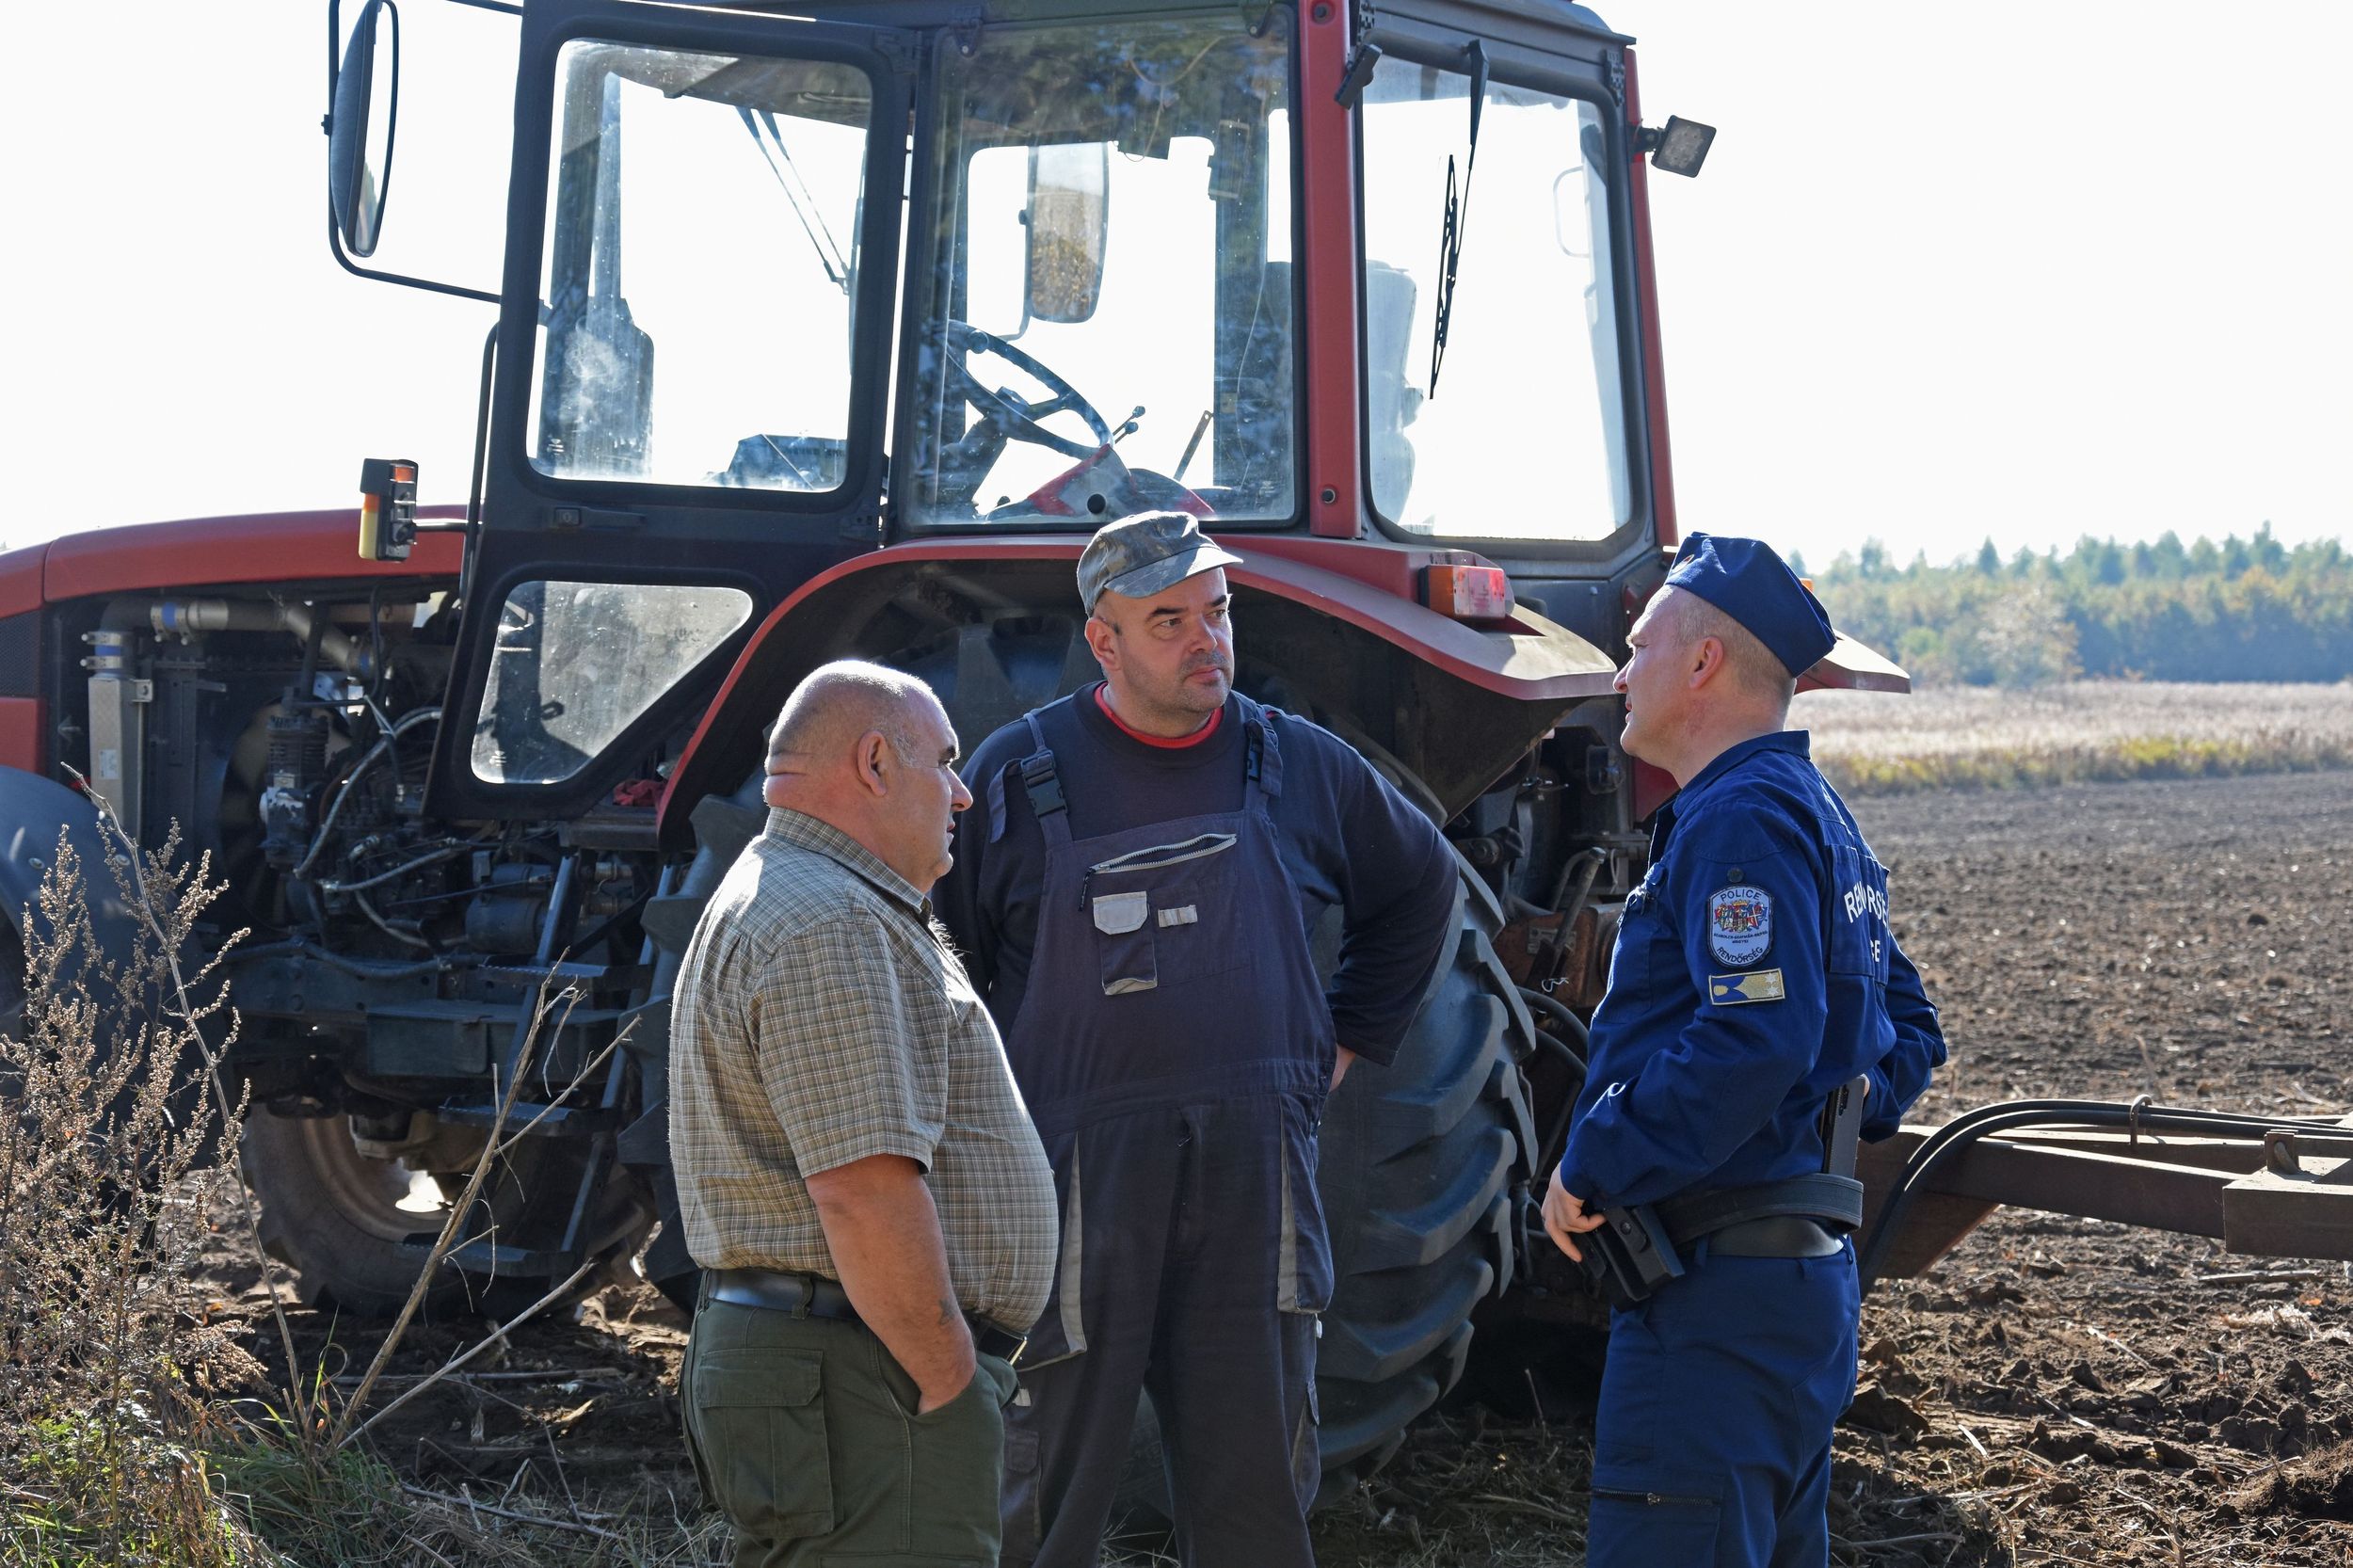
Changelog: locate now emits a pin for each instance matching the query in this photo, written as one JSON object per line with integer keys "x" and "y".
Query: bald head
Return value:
{"x": 871, "y": 752}
{"x": 839, "y": 702}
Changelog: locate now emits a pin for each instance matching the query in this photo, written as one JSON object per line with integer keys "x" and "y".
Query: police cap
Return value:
{"x": 1745, "y": 580}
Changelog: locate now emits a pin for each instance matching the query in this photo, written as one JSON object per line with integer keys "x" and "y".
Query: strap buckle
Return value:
{"x": 1044, "y": 785}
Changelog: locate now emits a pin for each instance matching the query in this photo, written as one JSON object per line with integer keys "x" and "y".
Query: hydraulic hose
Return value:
{"x": 382, "y": 748}
{"x": 1957, "y": 1135}
{"x": 363, "y": 968}
{"x": 1556, "y": 1014}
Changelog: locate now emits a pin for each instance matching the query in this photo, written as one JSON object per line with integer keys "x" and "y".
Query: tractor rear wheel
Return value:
{"x": 1424, "y": 1171}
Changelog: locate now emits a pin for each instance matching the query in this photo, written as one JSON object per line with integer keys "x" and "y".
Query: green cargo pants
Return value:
{"x": 805, "y": 1434}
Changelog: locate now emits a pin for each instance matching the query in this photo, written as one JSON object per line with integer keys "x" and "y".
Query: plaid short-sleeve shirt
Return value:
{"x": 821, "y": 1018}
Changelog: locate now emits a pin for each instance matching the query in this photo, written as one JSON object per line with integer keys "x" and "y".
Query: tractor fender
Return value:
{"x": 34, "y": 813}
{"x": 1529, "y": 667}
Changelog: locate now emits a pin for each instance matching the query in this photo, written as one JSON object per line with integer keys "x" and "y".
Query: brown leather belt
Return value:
{"x": 815, "y": 1296}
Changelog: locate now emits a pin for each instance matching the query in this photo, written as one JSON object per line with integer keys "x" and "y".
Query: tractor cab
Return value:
{"x": 1359, "y": 290}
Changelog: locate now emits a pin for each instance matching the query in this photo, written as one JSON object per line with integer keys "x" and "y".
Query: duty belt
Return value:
{"x": 1642, "y": 1245}
{"x": 815, "y": 1296}
{"x": 1835, "y": 1201}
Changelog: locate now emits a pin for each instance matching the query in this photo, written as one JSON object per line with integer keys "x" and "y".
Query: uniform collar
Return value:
{"x": 1795, "y": 741}
{"x": 809, "y": 833}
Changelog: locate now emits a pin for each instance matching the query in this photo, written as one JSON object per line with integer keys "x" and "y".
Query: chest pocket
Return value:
{"x": 1160, "y": 914}
{"x": 1646, "y": 945}
{"x": 1857, "y": 939}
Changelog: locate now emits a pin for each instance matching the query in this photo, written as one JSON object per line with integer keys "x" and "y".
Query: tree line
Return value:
{"x": 2249, "y": 608}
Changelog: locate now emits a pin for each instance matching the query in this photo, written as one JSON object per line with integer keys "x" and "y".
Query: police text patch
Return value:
{"x": 1740, "y": 924}
{"x": 1730, "y": 990}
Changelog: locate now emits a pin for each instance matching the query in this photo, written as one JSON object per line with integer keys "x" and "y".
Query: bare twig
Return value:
{"x": 543, "y": 1520}
{"x": 1521, "y": 1505}
{"x": 496, "y": 1336}
{"x": 493, "y": 1146}
{"x": 553, "y": 1374}
{"x": 2259, "y": 1276}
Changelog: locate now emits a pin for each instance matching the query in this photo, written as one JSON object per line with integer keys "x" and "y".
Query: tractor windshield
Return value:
{"x": 1108, "y": 297}
{"x": 1524, "y": 436}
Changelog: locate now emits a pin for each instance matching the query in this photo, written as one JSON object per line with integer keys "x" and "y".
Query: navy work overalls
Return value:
{"x": 1173, "y": 1046}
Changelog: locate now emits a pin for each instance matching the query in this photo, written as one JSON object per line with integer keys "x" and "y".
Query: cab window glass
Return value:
{"x": 575, "y": 663}
{"x": 1107, "y": 300}
{"x": 1525, "y": 435}
{"x": 696, "y": 311}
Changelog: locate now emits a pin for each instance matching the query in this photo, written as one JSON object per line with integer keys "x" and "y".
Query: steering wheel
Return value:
{"x": 1014, "y": 416}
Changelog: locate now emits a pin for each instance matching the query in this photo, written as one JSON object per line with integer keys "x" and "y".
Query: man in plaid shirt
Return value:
{"x": 856, "y": 1174}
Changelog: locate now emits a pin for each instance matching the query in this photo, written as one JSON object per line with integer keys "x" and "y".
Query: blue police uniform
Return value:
{"x": 1753, "y": 974}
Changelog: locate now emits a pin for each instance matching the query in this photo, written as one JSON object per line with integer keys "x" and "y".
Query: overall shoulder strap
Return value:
{"x": 1043, "y": 781}
{"x": 1039, "y": 779}
{"x": 1262, "y": 752}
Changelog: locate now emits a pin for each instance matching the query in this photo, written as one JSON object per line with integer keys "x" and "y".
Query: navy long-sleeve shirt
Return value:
{"x": 1347, "y": 839}
{"x": 1753, "y": 973}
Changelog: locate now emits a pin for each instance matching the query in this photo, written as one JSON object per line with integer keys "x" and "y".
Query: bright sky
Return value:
{"x": 1948, "y": 272}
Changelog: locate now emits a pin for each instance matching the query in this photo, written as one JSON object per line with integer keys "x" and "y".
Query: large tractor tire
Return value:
{"x": 1424, "y": 1169}
{"x": 334, "y": 1216}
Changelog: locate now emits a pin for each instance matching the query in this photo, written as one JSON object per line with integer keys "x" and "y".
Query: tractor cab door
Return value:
{"x": 691, "y": 360}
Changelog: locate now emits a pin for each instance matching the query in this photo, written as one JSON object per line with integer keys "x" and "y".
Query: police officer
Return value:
{"x": 1754, "y": 974}
{"x": 1134, "y": 898}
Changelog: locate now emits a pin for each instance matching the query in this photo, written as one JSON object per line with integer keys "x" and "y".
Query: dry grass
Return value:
{"x": 122, "y": 1436}
{"x": 1872, "y": 743}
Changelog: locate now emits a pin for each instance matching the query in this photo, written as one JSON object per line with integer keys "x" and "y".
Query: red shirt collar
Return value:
{"x": 1165, "y": 742}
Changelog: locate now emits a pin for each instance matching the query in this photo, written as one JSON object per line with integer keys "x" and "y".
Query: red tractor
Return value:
{"x": 836, "y": 334}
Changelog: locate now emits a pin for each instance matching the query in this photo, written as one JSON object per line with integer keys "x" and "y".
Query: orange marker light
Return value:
{"x": 388, "y": 508}
{"x": 1467, "y": 592}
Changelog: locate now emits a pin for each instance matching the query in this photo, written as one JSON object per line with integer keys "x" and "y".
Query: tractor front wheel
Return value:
{"x": 355, "y": 1229}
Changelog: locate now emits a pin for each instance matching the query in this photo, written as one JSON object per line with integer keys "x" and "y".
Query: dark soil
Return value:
{"x": 2057, "y": 1390}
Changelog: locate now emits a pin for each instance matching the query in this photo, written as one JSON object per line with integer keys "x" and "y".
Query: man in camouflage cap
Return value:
{"x": 1134, "y": 899}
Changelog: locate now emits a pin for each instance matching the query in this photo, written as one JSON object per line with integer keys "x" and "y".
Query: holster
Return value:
{"x": 1630, "y": 1256}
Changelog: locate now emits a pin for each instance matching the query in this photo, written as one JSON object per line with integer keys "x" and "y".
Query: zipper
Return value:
{"x": 1655, "y": 1499}
{"x": 1167, "y": 855}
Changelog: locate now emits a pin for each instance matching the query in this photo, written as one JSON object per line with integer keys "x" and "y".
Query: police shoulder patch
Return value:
{"x": 1740, "y": 924}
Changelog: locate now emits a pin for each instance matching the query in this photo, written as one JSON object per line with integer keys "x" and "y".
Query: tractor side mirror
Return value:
{"x": 1069, "y": 219}
{"x": 359, "y": 137}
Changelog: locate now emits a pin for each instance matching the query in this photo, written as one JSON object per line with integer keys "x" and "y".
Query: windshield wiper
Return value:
{"x": 1457, "y": 209}
{"x": 804, "y": 203}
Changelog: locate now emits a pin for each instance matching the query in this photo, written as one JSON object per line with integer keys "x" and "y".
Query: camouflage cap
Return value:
{"x": 1145, "y": 553}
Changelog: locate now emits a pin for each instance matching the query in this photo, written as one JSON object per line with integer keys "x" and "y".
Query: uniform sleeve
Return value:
{"x": 1399, "y": 896}
{"x": 1901, "y": 1076}
{"x": 838, "y": 1054}
{"x": 1752, "y": 961}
